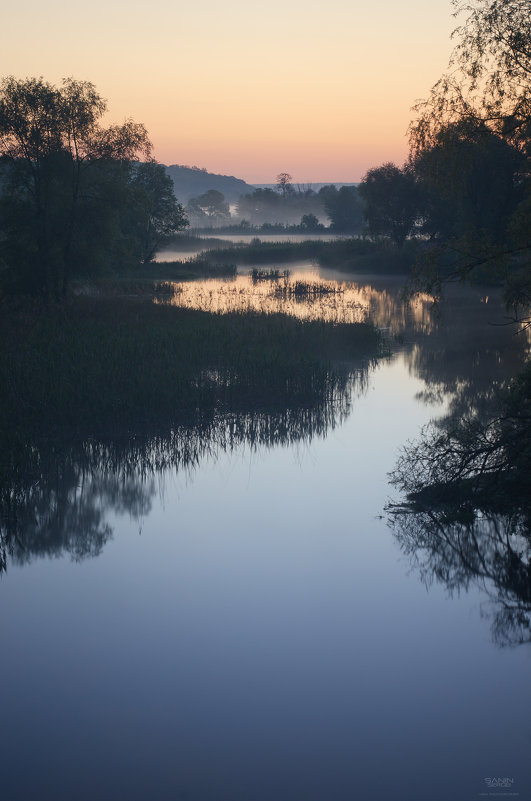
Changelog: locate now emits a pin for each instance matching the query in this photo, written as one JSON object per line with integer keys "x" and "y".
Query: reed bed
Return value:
{"x": 304, "y": 290}
{"x": 268, "y": 275}
{"x": 105, "y": 363}
{"x": 365, "y": 256}
{"x": 258, "y": 252}
{"x": 348, "y": 255}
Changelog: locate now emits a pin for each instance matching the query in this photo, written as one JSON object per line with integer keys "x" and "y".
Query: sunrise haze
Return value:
{"x": 323, "y": 92}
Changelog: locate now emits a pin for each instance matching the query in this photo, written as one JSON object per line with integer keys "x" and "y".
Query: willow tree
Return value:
{"x": 485, "y": 98}
{"x": 489, "y": 76}
{"x": 390, "y": 199}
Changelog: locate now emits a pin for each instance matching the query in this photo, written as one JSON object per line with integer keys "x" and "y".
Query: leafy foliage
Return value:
{"x": 343, "y": 207}
{"x": 390, "y": 199}
{"x": 209, "y": 207}
{"x": 156, "y": 215}
{"x": 287, "y": 205}
{"x": 470, "y": 152}
{"x": 73, "y": 199}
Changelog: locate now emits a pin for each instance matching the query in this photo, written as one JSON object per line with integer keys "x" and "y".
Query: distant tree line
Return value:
{"x": 76, "y": 198}
{"x": 302, "y": 205}
{"x": 288, "y": 204}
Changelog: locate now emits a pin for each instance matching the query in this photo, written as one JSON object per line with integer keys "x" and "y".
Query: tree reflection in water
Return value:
{"x": 55, "y": 499}
{"x": 490, "y": 550}
{"x": 467, "y": 517}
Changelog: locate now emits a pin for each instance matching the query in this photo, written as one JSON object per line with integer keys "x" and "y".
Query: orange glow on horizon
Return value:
{"x": 322, "y": 93}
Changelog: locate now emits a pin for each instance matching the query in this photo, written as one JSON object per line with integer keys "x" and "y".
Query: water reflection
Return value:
{"x": 56, "y": 501}
{"x": 470, "y": 350}
{"x": 460, "y": 546}
{"x": 308, "y": 295}
{"x": 467, "y": 514}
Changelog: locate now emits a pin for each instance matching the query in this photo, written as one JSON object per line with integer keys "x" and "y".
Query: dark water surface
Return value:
{"x": 224, "y": 614}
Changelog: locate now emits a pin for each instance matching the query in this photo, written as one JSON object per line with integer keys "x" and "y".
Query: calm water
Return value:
{"x": 226, "y": 615}
{"x": 309, "y": 294}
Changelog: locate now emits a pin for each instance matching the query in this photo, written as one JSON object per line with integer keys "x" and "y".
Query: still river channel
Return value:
{"x": 239, "y": 622}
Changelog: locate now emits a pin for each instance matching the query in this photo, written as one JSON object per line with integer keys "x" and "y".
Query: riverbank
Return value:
{"x": 101, "y": 363}
{"x": 347, "y": 255}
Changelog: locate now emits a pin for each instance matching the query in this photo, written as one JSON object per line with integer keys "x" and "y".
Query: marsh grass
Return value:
{"x": 268, "y": 275}
{"x": 258, "y": 252}
{"x": 57, "y": 497}
{"x": 97, "y": 364}
{"x": 304, "y": 290}
{"x": 365, "y": 256}
{"x": 347, "y": 255}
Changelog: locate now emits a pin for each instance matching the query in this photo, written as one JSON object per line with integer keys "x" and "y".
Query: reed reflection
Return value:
{"x": 55, "y": 500}
{"x": 308, "y": 295}
{"x": 460, "y": 348}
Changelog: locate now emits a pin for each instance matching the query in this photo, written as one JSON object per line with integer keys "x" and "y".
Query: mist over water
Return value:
{"x": 185, "y": 250}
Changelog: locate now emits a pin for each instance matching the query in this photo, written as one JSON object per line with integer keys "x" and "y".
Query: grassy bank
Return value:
{"x": 259, "y": 252}
{"x": 101, "y": 363}
{"x": 346, "y": 255}
{"x": 364, "y": 256}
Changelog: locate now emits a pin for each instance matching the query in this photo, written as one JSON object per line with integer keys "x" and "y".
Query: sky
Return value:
{"x": 321, "y": 91}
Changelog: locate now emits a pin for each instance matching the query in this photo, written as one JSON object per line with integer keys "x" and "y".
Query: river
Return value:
{"x": 229, "y": 615}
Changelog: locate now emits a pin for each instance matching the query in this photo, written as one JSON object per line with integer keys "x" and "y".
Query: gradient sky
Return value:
{"x": 323, "y": 92}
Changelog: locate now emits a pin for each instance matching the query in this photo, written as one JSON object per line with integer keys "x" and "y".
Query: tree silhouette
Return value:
{"x": 65, "y": 181}
{"x": 484, "y": 103}
{"x": 284, "y": 183}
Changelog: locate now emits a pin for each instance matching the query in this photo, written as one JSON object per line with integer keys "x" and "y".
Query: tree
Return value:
{"x": 490, "y": 71}
{"x": 390, "y": 202}
{"x": 486, "y": 95}
{"x": 51, "y": 141}
{"x": 157, "y": 215}
{"x": 260, "y": 205}
{"x": 309, "y": 222}
{"x": 210, "y": 206}
{"x": 468, "y": 182}
{"x": 342, "y": 207}
{"x": 266, "y": 206}
{"x": 284, "y": 184}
